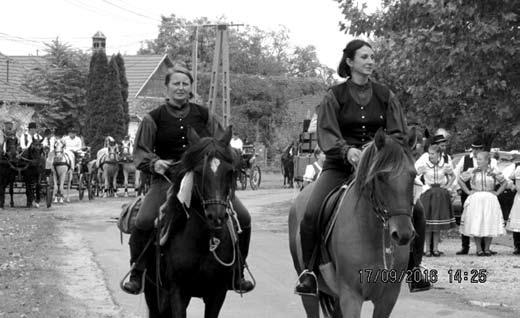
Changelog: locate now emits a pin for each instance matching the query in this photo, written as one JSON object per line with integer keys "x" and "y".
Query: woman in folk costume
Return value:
{"x": 513, "y": 224}
{"x": 438, "y": 177}
{"x": 482, "y": 216}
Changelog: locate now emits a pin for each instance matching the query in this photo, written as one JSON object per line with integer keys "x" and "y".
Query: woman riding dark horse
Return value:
{"x": 160, "y": 142}
{"x": 348, "y": 119}
{"x": 201, "y": 254}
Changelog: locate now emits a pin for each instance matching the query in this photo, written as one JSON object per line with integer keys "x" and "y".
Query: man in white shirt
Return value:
{"x": 236, "y": 143}
{"x": 72, "y": 141}
{"x": 27, "y": 138}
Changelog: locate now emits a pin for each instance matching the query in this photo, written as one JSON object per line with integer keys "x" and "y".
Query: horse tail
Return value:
{"x": 327, "y": 304}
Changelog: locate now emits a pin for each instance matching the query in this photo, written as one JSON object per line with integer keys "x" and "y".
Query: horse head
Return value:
{"x": 35, "y": 150}
{"x": 59, "y": 155}
{"x": 385, "y": 177}
{"x": 126, "y": 152}
{"x": 213, "y": 164}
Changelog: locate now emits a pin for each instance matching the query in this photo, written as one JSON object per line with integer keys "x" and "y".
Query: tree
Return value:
{"x": 95, "y": 100}
{"x": 61, "y": 79}
{"x": 453, "y": 63}
{"x": 124, "y": 88}
{"x": 114, "y": 119}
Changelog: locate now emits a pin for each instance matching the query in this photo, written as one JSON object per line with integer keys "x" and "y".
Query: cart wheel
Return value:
{"x": 49, "y": 191}
{"x": 256, "y": 177}
{"x": 81, "y": 186}
{"x": 243, "y": 179}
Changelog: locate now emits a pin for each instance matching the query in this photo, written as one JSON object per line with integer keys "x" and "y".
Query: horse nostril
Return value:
{"x": 395, "y": 236}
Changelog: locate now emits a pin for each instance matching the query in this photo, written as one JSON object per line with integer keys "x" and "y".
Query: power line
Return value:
{"x": 130, "y": 11}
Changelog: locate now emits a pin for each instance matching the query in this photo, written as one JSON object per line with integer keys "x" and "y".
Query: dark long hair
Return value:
{"x": 350, "y": 52}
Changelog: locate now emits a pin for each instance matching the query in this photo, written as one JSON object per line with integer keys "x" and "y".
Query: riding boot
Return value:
{"x": 417, "y": 282}
{"x": 138, "y": 240}
{"x": 308, "y": 284}
{"x": 242, "y": 285}
{"x": 465, "y": 245}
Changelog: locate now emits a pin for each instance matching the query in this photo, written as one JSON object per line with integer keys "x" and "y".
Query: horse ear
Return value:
{"x": 426, "y": 133}
{"x": 226, "y": 137}
{"x": 193, "y": 137}
{"x": 412, "y": 137}
{"x": 379, "y": 138}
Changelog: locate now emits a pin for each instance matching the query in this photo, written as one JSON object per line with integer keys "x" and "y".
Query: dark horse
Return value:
{"x": 32, "y": 164}
{"x": 7, "y": 173}
{"x": 372, "y": 232}
{"x": 199, "y": 255}
{"x": 288, "y": 166}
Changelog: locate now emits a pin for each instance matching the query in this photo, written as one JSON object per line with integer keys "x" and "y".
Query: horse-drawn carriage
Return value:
{"x": 22, "y": 172}
{"x": 249, "y": 169}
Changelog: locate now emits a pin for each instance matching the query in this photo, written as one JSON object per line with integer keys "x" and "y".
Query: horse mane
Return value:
{"x": 393, "y": 159}
{"x": 195, "y": 154}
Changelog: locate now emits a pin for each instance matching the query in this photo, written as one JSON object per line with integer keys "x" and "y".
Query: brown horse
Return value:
{"x": 7, "y": 173}
{"x": 371, "y": 234}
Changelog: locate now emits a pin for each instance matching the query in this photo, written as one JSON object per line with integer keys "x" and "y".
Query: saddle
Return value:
{"x": 327, "y": 219}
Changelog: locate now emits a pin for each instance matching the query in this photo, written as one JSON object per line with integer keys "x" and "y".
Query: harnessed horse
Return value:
{"x": 371, "y": 233}
{"x": 200, "y": 255}
{"x": 32, "y": 162}
{"x": 63, "y": 162}
{"x": 108, "y": 166}
{"x": 7, "y": 174}
{"x": 288, "y": 166}
{"x": 127, "y": 164}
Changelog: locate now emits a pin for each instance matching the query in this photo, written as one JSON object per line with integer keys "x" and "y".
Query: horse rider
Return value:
{"x": 237, "y": 143}
{"x": 73, "y": 143}
{"x": 348, "y": 118}
{"x": 27, "y": 138}
{"x": 160, "y": 141}
{"x": 5, "y": 133}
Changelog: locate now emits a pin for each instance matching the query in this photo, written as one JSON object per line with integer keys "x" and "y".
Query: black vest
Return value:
{"x": 359, "y": 124}
{"x": 468, "y": 163}
{"x": 171, "y": 139}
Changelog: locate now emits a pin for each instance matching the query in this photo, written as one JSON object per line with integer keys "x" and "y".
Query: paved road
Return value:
{"x": 93, "y": 238}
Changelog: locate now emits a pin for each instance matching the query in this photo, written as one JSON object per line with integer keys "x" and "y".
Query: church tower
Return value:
{"x": 98, "y": 42}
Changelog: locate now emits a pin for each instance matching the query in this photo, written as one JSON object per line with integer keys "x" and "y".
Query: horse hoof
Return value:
{"x": 126, "y": 194}
{"x": 60, "y": 200}
{"x": 55, "y": 200}
{"x": 68, "y": 200}
{"x": 36, "y": 205}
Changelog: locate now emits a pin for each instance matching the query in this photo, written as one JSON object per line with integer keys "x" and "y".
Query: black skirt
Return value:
{"x": 438, "y": 210}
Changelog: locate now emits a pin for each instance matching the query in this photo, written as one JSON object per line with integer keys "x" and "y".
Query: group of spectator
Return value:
{"x": 478, "y": 180}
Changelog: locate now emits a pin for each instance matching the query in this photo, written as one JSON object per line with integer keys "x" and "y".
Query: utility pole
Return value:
{"x": 194, "y": 60}
{"x": 221, "y": 57}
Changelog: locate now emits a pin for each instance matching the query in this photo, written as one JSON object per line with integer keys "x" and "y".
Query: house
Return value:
{"x": 145, "y": 75}
{"x": 16, "y": 102}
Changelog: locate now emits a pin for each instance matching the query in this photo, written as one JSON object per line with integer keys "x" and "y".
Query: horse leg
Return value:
{"x": 114, "y": 180}
{"x": 179, "y": 303}
{"x": 137, "y": 182}
{"x": 383, "y": 306}
{"x": 62, "y": 186}
{"x": 350, "y": 303}
{"x": 311, "y": 305}
{"x": 28, "y": 189}
{"x": 38, "y": 190}
{"x": 56, "y": 185}
{"x": 214, "y": 303}
{"x": 105, "y": 182}
{"x": 2, "y": 193}
{"x": 125, "y": 181}
{"x": 69, "y": 184}
{"x": 11, "y": 193}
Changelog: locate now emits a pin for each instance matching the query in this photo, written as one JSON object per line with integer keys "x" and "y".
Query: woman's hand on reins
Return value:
{"x": 353, "y": 156}
{"x": 160, "y": 166}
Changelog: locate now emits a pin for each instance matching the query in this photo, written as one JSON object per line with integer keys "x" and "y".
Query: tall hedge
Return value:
{"x": 124, "y": 87}
{"x": 95, "y": 100}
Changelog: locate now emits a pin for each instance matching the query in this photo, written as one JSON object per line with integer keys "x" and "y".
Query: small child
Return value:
{"x": 513, "y": 224}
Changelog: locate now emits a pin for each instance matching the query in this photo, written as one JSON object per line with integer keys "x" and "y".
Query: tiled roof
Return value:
{"x": 13, "y": 70}
{"x": 139, "y": 68}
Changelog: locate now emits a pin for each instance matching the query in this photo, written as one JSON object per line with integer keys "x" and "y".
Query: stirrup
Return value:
{"x": 122, "y": 282}
{"x": 311, "y": 273}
